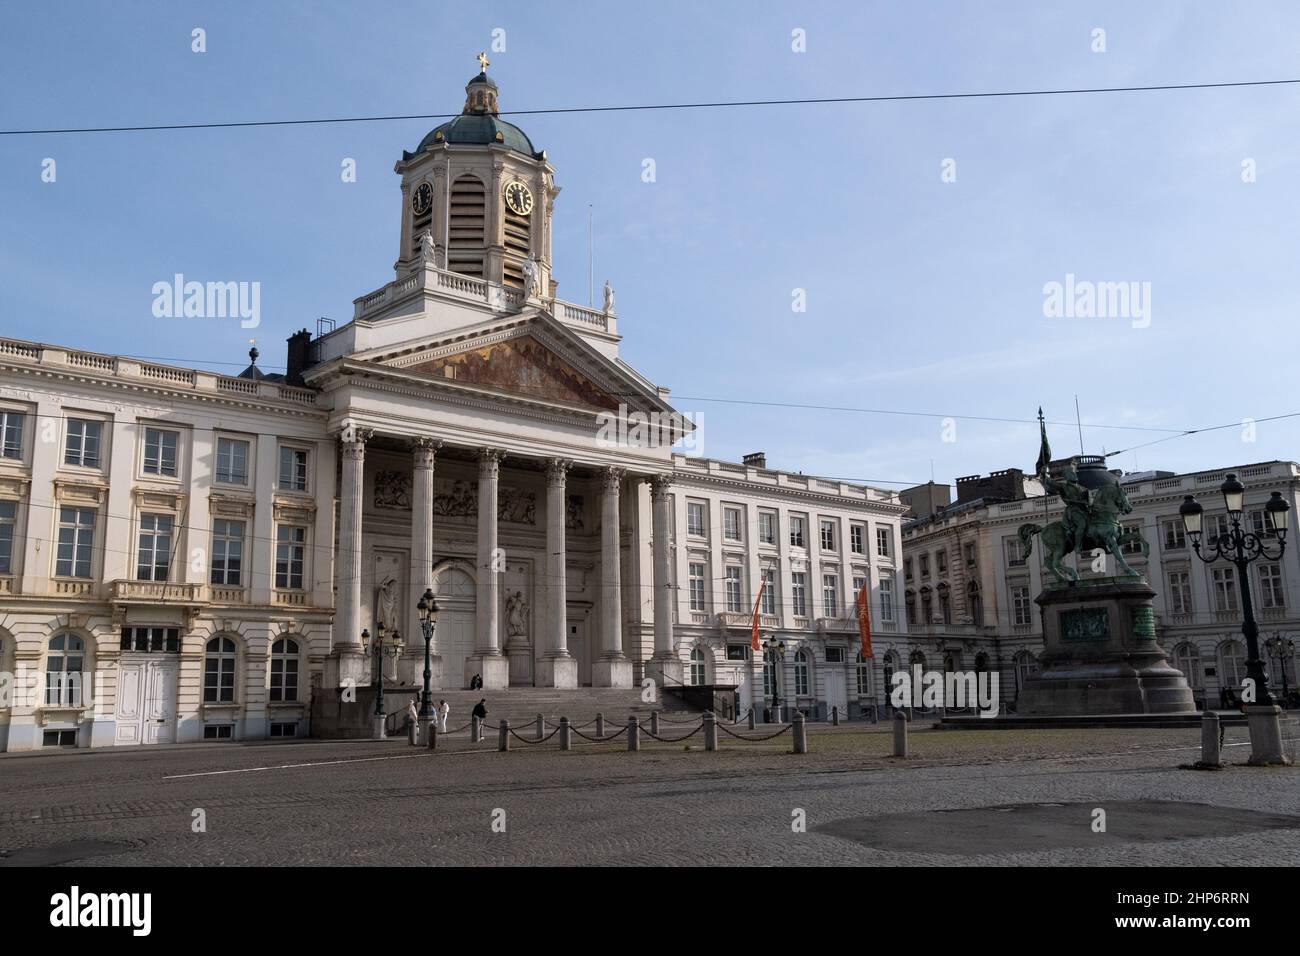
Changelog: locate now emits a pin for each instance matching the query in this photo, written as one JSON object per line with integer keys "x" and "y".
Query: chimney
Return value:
{"x": 756, "y": 459}
{"x": 297, "y": 361}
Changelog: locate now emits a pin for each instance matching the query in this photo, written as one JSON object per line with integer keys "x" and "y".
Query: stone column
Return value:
{"x": 423, "y": 452}
{"x": 347, "y": 662}
{"x": 556, "y": 668}
{"x": 488, "y": 661}
{"x": 612, "y": 668}
{"x": 664, "y": 667}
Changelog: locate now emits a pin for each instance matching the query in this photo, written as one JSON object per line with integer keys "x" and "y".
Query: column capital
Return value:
{"x": 424, "y": 449}
{"x": 612, "y": 479}
{"x": 489, "y": 462}
{"x": 660, "y": 486}
{"x": 556, "y": 470}
{"x": 353, "y": 434}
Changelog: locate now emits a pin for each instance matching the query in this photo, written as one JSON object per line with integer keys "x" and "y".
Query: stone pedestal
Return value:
{"x": 1101, "y": 655}
{"x": 665, "y": 672}
{"x": 613, "y": 672}
{"x": 1265, "y": 722}
{"x": 559, "y": 672}
{"x": 493, "y": 668}
{"x": 346, "y": 667}
{"x": 520, "y": 654}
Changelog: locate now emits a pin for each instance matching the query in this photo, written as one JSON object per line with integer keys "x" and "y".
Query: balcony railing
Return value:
{"x": 157, "y": 592}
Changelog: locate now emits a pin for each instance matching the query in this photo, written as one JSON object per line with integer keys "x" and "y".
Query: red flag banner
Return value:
{"x": 753, "y": 628}
{"x": 864, "y": 619}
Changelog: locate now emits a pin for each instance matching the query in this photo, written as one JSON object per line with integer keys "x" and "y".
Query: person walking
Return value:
{"x": 444, "y": 709}
{"x": 412, "y": 716}
{"x": 480, "y": 714}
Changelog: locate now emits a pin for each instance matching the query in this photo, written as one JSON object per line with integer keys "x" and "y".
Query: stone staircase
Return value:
{"x": 521, "y": 705}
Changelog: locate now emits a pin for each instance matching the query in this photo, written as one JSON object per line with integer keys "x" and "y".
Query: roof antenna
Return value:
{"x": 1079, "y": 422}
{"x": 591, "y": 256}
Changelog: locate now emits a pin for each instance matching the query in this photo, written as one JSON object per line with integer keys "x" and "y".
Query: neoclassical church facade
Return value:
{"x": 191, "y": 556}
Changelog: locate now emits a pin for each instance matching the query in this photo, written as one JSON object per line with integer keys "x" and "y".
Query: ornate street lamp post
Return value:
{"x": 380, "y": 652}
{"x": 1283, "y": 648}
{"x": 428, "y": 608}
{"x": 775, "y": 652}
{"x": 1240, "y": 548}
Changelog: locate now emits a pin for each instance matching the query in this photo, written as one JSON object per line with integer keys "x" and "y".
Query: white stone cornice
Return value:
{"x": 783, "y": 493}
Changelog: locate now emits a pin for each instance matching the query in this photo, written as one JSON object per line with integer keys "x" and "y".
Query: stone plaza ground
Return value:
{"x": 1003, "y": 798}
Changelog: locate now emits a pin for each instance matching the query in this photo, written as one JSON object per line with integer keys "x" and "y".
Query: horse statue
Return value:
{"x": 1100, "y": 530}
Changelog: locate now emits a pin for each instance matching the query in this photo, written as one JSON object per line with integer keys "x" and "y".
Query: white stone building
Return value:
{"x": 970, "y": 590}
{"x": 188, "y": 556}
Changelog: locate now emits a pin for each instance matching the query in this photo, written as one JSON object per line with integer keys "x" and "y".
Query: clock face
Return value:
{"x": 422, "y": 199}
{"x": 518, "y": 198}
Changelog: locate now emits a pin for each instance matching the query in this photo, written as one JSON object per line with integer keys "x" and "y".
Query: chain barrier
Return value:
{"x": 665, "y": 720}
{"x": 783, "y": 730}
{"x": 672, "y": 740}
{"x": 600, "y": 740}
{"x": 533, "y": 740}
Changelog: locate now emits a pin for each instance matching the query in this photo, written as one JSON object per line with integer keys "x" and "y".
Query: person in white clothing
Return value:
{"x": 443, "y": 710}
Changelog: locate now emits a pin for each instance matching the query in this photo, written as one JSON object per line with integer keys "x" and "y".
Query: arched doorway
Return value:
{"x": 453, "y": 584}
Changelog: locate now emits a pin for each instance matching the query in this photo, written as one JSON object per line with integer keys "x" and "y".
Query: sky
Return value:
{"x": 919, "y": 236}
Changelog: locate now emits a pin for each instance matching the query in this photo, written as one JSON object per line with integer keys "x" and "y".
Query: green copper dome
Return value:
{"x": 479, "y": 124}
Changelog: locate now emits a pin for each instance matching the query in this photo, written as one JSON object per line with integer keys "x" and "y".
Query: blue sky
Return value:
{"x": 922, "y": 295}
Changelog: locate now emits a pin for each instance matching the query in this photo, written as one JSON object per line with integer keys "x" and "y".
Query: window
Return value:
{"x": 284, "y": 670}
{"x": 907, "y": 568}
{"x": 290, "y": 552}
{"x": 734, "y": 600}
{"x": 153, "y": 556}
{"x": 1261, "y": 522}
{"x": 882, "y": 542}
{"x": 834, "y": 655}
{"x": 1015, "y": 552}
{"x": 970, "y": 554}
{"x": 76, "y": 541}
{"x": 766, "y": 527}
{"x": 974, "y": 604}
{"x": 927, "y": 605}
{"x": 797, "y": 528}
{"x": 828, "y": 535}
{"x": 144, "y": 640}
{"x": 1180, "y": 592}
{"x": 160, "y": 452}
{"x": 697, "y": 667}
{"x": 1174, "y": 533}
{"x": 1021, "y": 606}
{"x": 217, "y": 731}
{"x": 293, "y": 469}
{"x": 227, "y": 552}
{"x": 945, "y": 604}
{"x": 1134, "y": 544}
{"x": 1025, "y": 667}
{"x": 768, "y": 604}
{"x": 941, "y": 562}
{"x": 1270, "y": 586}
{"x": 695, "y": 518}
{"x": 11, "y": 434}
{"x": 696, "y": 587}
{"x": 889, "y": 664}
{"x": 857, "y": 539}
{"x": 924, "y": 561}
{"x": 219, "y": 672}
{"x": 82, "y": 445}
{"x": 769, "y": 675}
{"x": 737, "y": 652}
{"x": 59, "y": 738}
{"x": 232, "y": 461}
{"x": 1225, "y": 589}
{"x": 731, "y": 524}
{"x": 831, "y": 594}
{"x": 63, "y": 666}
{"x": 802, "y": 674}
{"x": 1188, "y": 660}
{"x": 858, "y": 582}
{"x": 284, "y": 729}
{"x": 887, "y": 599}
{"x": 799, "y": 594}
{"x": 1214, "y": 527}
{"x": 864, "y": 676}
{"x": 1232, "y": 658}
{"x": 8, "y": 521}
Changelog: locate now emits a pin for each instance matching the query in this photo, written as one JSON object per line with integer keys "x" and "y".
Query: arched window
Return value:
{"x": 697, "y": 667}
{"x": 1025, "y": 666}
{"x": 219, "y": 671}
{"x": 864, "y": 676}
{"x": 63, "y": 666}
{"x": 1232, "y": 669}
{"x": 945, "y": 604}
{"x": 1188, "y": 660}
{"x": 802, "y": 673}
{"x": 909, "y": 599}
{"x": 927, "y": 607}
{"x": 284, "y": 670}
{"x": 890, "y": 665}
{"x": 769, "y": 675}
{"x": 981, "y": 663}
{"x": 466, "y": 226}
{"x": 949, "y": 666}
{"x": 918, "y": 657}
{"x": 974, "y": 603}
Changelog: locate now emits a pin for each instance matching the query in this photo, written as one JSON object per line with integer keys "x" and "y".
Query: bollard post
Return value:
{"x": 503, "y": 736}
{"x": 800, "y": 733}
{"x": 566, "y": 741}
{"x": 475, "y": 730}
{"x": 633, "y": 734}
{"x": 411, "y": 733}
{"x": 751, "y": 718}
{"x": 432, "y": 742}
{"x": 600, "y": 725}
{"x": 835, "y": 716}
{"x": 541, "y": 726}
{"x": 900, "y": 734}
{"x": 875, "y": 714}
{"x": 654, "y": 721}
{"x": 1210, "y": 756}
{"x": 710, "y": 731}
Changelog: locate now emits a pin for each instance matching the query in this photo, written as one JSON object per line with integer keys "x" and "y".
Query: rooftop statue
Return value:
{"x": 1094, "y": 500}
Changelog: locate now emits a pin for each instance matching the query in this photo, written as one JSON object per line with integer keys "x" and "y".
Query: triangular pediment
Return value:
{"x": 521, "y": 365}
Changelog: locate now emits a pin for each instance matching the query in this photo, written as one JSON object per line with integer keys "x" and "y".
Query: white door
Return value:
{"x": 579, "y": 651}
{"x": 146, "y": 701}
{"x": 456, "y": 627}
{"x": 835, "y": 691}
{"x": 744, "y": 687}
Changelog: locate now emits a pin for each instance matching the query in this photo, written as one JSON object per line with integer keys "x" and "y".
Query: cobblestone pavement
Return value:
{"x": 331, "y": 803}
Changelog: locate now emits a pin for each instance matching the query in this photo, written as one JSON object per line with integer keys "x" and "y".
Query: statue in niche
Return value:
{"x": 386, "y": 604}
{"x": 530, "y": 277}
{"x": 516, "y": 615}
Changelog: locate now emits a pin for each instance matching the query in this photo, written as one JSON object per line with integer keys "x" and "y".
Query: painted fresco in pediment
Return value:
{"x": 523, "y": 365}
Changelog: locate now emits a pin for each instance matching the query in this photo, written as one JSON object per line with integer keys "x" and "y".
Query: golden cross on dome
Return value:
{"x": 483, "y": 61}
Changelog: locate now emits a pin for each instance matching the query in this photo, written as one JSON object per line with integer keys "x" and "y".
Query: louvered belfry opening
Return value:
{"x": 465, "y": 244}
{"x": 517, "y": 245}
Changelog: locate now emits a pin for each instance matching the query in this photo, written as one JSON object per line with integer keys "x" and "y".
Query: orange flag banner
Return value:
{"x": 864, "y": 619}
{"x": 753, "y": 628}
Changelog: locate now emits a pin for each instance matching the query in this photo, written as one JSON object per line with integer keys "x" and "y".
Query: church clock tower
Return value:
{"x": 477, "y": 198}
